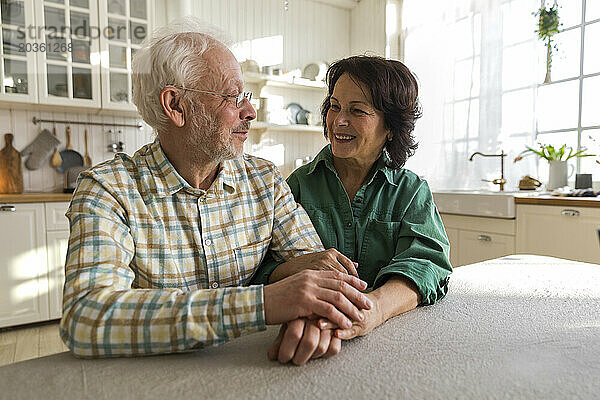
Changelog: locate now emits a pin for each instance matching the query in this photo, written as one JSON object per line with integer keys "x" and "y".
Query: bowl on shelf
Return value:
{"x": 315, "y": 71}
{"x": 250, "y": 66}
{"x": 292, "y": 110}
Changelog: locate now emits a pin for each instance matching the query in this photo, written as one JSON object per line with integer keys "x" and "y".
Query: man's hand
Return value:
{"x": 329, "y": 294}
{"x": 373, "y": 318}
{"x": 300, "y": 340}
{"x": 326, "y": 260}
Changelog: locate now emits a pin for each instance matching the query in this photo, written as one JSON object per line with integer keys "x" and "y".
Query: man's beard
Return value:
{"x": 212, "y": 138}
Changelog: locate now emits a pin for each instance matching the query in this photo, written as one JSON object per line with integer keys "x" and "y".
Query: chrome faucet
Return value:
{"x": 500, "y": 181}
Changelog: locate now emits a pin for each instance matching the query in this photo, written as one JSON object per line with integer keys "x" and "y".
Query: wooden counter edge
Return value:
{"x": 560, "y": 201}
{"x": 35, "y": 197}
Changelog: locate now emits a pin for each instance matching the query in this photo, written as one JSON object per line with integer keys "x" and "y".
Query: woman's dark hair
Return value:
{"x": 394, "y": 91}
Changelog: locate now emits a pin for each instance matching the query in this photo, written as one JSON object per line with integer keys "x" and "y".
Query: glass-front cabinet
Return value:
{"x": 68, "y": 52}
{"x": 17, "y": 60}
{"x": 127, "y": 23}
{"x": 71, "y": 52}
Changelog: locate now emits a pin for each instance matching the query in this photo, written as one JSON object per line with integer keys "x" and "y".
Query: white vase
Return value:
{"x": 557, "y": 176}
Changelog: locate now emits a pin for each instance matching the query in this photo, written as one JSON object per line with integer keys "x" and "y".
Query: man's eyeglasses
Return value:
{"x": 239, "y": 98}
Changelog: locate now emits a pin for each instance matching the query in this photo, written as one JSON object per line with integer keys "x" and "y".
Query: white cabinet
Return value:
{"x": 453, "y": 235}
{"x": 57, "y": 240}
{"x": 57, "y": 243}
{"x": 23, "y": 264}
{"x": 33, "y": 247}
{"x": 68, "y": 70}
{"x": 128, "y": 22}
{"x": 474, "y": 239}
{"x": 476, "y": 246}
{"x": 71, "y": 52}
{"x": 17, "y": 60}
{"x": 559, "y": 231}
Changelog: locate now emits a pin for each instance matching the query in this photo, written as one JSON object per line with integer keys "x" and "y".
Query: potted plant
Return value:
{"x": 548, "y": 23}
{"x": 557, "y": 161}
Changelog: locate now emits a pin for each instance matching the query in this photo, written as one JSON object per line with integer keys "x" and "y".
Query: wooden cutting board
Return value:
{"x": 11, "y": 169}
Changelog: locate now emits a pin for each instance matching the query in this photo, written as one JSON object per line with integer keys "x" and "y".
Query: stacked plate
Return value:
{"x": 297, "y": 114}
{"x": 315, "y": 71}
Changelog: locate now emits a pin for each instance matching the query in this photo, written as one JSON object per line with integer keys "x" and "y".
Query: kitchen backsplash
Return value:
{"x": 47, "y": 179}
{"x": 283, "y": 148}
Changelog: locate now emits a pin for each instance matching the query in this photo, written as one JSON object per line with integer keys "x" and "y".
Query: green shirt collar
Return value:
{"x": 325, "y": 157}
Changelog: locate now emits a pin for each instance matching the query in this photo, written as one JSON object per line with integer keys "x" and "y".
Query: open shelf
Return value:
{"x": 264, "y": 126}
{"x": 283, "y": 81}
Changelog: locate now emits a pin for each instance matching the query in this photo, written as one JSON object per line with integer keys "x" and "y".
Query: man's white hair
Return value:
{"x": 172, "y": 55}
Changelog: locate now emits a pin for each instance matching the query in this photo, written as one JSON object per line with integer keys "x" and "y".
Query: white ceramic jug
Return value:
{"x": 558, "y": 174}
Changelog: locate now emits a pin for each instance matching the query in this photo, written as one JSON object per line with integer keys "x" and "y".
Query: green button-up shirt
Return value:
{"x": 391, "y": 227}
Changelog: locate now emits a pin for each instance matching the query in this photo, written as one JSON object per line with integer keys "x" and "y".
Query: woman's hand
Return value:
{"x": 326, "y": 260}
{"x": 300, "y": 340}
{"x": 372, "y": 319}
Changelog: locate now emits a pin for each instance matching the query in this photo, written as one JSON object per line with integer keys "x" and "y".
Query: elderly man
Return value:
{"x": 164, "y": 243}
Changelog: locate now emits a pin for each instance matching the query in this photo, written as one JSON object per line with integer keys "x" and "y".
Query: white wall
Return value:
{"x": 367, "y": 28}
{"x": 312, "y": 31}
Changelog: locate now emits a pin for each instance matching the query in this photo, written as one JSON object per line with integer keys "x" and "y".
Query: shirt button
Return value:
{"x": 208, "y": 242}
{"x": 349, "y": 224}
{"x": 214, "y": 285}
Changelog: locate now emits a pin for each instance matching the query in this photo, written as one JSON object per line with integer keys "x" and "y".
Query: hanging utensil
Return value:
{"x": 11, "y": 170}
{"x": 70, "y": 157}
{"x": 87, "y": 160}
{"x": 56, "y": 160}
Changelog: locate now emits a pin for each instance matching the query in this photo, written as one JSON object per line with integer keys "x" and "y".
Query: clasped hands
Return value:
{"x": 313, "y": 336}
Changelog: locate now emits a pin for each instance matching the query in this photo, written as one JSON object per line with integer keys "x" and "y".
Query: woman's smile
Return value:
{"x": 343, "y": 138}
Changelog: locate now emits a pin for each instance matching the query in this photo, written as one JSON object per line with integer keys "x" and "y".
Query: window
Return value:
{"x": 481, "y": 77}
{"x": 568, "y": 107}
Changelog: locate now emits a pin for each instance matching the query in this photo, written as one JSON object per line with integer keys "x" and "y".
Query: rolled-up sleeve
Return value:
{"x": 422, "y": 249}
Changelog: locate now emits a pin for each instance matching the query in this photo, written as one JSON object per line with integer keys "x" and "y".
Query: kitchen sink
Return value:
{"x": 480, "y": 203}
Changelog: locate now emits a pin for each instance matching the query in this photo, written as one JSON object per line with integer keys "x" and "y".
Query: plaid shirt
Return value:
{"x": 156, "y": 266}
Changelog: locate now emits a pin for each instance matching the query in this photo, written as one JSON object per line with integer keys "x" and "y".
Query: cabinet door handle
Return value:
{"x": 8, "y": 208}
{"x": 570, "y": 213}
{"x": 484, "y": 238}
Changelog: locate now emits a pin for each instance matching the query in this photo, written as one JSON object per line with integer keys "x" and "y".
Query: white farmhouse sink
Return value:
{"x": 476, "y": 202}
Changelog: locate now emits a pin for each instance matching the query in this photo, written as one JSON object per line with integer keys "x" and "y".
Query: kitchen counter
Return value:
{"x": 38, "y": 197}
{"x": 525, "y": 198}
{"x": 547, "y": 200}
{"x": 515, "y": 327}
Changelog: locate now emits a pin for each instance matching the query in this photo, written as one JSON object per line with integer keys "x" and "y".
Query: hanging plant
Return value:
{"x": 548, "y": 23}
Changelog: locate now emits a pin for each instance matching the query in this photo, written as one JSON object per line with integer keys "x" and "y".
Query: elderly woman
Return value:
{"x": 363, "y": 203}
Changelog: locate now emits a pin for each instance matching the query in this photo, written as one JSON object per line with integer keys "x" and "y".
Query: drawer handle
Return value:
{"x": 570, "y": 213}
{"x": 8, "y": 208}
{"x": 484, "y": 238}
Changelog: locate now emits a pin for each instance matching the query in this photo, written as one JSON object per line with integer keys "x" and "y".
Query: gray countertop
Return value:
{"x": 516, "y": 327}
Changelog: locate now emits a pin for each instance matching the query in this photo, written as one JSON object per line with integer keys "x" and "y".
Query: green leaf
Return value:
{"x": 570, "y": 152}
{"x": 561, "y": 152}
{"x": 580, "y": 154}
{"x": 539, "y": 153}
{"x": 550, "y": 153}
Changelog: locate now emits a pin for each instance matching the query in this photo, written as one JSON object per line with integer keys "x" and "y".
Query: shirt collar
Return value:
{"x": 384, "y": 170}
{"x": 325, "y": 157}
{"x": 168, "y": 181}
